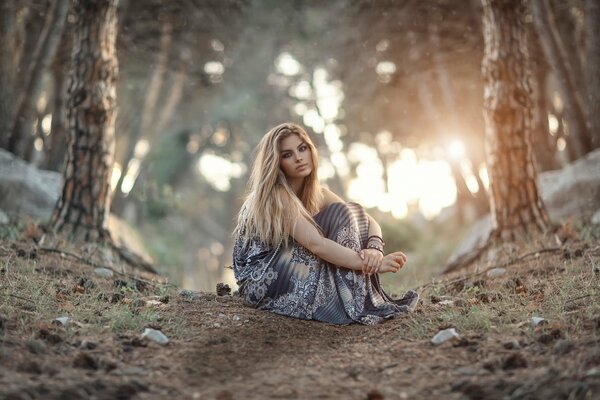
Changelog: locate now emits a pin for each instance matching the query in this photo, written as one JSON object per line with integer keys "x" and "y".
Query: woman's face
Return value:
{"x": 295, "y": 158}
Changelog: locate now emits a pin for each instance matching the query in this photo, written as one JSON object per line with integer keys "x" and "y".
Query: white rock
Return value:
{"x": 64, "y": 321}
{"x": 446, "y": 303}
{"x": 496, "y": 272}
{"x": 236, "y": 318}
{"x": 103, "y": 272}
{"x": 155, "y": 335}
{"x": 221, "y": 315}
{"x": 444, "y": 335}
{"x": 535, "y": 321}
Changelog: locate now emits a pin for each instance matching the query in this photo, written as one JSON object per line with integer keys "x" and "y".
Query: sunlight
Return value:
{"x": 218, "y": 171}
{"x": 286, "y": 64}
{"x": 302, "y": 90}
{"x": 561, "y": 144}
{"x": 214, "y": 68}
{"x": 456, "y": 149}
{"x": 133, "y": 169}
{"x": 427, "y": 184}
{"x": 332, "y": 138}
{"x": 552, "y": 124}
{"x": 300, "y": 108}
{"x": 385, "y": 68}
{"x": 115, "y": 176}
{"x": 47, "y": 124}
{"x": 483, "y": 175}
{"x": 470, "y": 179}
{"x": 312, "y": 118}
{"x": 217, "y": 45}
{"x": 141, "y": 148}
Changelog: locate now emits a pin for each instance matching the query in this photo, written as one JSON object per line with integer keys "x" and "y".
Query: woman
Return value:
{"x": 300, "y": 250}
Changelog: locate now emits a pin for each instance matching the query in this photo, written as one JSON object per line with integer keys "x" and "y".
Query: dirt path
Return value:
{"x": 221, "y": 349}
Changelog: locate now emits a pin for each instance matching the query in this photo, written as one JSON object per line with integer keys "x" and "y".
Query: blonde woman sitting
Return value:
{"x": 300, "y": 250}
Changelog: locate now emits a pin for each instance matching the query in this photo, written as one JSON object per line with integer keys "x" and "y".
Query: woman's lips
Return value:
{"x": 302, "y": 166}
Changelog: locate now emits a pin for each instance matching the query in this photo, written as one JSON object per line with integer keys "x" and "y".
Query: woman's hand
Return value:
{"x": 393, "y": 262}
{"x": 372, "y": 260}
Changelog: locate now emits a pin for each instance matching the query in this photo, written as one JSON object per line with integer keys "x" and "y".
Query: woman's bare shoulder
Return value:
{"x": 329, "y": 197}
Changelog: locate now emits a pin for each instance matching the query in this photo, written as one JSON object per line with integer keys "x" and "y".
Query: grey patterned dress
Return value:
{"x": 292, "y": 281}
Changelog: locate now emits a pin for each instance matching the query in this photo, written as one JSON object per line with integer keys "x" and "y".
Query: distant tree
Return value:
{"x": 517, "y": 208}
{"x": 42, "y": 57}
{"x": 83, "y": 207}
{"x": 8, "y": 33}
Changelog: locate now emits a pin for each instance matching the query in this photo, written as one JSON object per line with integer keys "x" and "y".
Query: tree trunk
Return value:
{"x": 83, "y": 208}
{"x": 8, "y": 34}
{"x": 592, "y": 67}
{"x": 44, "y": 53}
{"x": 57, "y": 148}
{"x": 517, "y": 208}
{"x": 557, "y": 57}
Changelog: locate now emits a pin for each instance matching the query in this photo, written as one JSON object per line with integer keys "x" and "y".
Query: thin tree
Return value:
{"x": 83, "y": 207}
{"x": 592, "y": 66}
{"x": 516, "y": 205}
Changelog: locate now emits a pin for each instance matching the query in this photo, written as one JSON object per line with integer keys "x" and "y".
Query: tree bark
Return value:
{"x": 517, "y": 209}
{"x": 8, "y": 34}
{"x": 83, "y": 208}
{"x": 592, "y": 67}
{"x": 44, "y": 54}
{"x": 557, "y": 57}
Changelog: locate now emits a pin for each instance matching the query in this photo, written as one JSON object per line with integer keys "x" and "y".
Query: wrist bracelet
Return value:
{"x": 376, "y": 237}
{"x": 376, "y": 248}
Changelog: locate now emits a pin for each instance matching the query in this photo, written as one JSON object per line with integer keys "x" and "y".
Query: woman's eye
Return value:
{"x": 286, "y": 155}
{"x": 303, "y": 148}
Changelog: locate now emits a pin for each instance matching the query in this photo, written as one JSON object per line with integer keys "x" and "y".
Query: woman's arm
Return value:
{"x": 308, "y": 236}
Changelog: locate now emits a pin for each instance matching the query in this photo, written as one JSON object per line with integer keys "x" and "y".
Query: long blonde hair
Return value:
{"x": 271, "y": 206}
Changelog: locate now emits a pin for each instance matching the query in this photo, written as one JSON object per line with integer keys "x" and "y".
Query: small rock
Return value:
{"x": 496, "y": 272}
{"x": 223, "y": 289}
{"x": 85, "y": 361}
{"x": 120, "y": 283}
{"x": 156, "y": 336}
{"x": 216, "y": 325}
{"x": 563, "y": 347}
{"x": 535, "y": 321}
{"x": 221, "y": 315}
{"x": 88, "y": 345}
{"x": 107, "y": 255}
{"x": 514, "y": 361}
{"x": 62, "y": 321}
{"x": 236, "y": 318}
{"x": 103, "y": 272}
{"x": 444, "y": 335}
{"x": 189, "y": 294}
{"x": 470, "y": 371}
{"x": 511, "y": 345}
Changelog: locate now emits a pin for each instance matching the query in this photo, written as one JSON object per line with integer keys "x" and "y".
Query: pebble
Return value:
{"x": 562, "y": 347}
{"x": 535, "y": 321}
{"x": 496, "y": 272}
{"x": 236, "y": 318}
{"x": 63, "y": 321}
{"x": 511, "y": 345}
{"x": 444, "y": 335}
{"x": 156, "y": 336}
{"x": 216, "y": 325}
{"x": 221, "y": 315}
{"x": 36, "y": 347}
{"x": 88, "y": 345}
{"x": 103, "y": 272}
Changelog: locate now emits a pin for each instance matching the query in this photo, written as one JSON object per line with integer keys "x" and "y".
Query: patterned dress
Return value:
{"x": 290, "y": 280}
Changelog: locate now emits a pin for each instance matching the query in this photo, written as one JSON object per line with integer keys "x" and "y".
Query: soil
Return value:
{"x": 226, "y": 350}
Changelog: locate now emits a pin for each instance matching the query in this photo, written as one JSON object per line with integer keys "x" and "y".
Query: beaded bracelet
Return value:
{"x": 375, "y": 242}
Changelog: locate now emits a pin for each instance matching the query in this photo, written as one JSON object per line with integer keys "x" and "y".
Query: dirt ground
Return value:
{"x": 221, "y": 349}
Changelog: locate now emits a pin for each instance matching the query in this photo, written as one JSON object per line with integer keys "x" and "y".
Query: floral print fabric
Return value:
{"x": 290, "y": 280}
